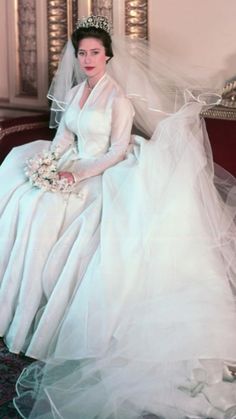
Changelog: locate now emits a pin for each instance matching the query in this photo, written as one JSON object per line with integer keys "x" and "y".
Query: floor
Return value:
{"x": 11, "y": 366}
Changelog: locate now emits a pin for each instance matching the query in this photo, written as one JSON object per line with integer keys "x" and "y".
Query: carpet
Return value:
{"x": 11, "y": 366}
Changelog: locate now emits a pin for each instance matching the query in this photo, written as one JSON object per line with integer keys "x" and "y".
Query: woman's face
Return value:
{"x": 92, "y": 57}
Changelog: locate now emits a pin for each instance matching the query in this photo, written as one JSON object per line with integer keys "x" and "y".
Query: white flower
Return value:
{"x": 42, "y": 172}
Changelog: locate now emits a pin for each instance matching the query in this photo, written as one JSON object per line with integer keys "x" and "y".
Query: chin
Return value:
{"x": 90, "y": 73}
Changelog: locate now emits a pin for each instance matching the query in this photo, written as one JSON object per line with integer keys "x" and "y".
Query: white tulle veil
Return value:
{"x": 150, "y": 78}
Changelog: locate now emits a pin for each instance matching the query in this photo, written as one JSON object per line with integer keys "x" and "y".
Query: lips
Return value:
{"x": 89, "y": 68}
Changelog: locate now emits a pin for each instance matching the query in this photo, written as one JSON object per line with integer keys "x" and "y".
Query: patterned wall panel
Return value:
{"x": 135, "y": 16}
{"x": 27, "y": 47}
{"x": 136, "y": 19}
{"x": 62, "y": 16}
{"x": 104, "y": 8}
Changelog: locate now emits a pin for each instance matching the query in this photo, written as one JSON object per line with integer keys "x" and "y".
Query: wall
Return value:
{"x": 199, "y": 32}
{"x": 3, "y": 52}
{"x": 26, "y": 88}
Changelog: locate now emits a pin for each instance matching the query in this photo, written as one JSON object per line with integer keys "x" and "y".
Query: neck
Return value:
{"x": 90, "y": 87}
{"x": 92, "y": 81}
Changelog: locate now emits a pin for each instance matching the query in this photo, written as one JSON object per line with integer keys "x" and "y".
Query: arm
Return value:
{"x": 122, "y": 120}
{"x": 64, "y": 138}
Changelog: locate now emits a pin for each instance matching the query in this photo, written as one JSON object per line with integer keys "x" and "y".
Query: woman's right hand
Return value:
{"x": 66, "y": 175}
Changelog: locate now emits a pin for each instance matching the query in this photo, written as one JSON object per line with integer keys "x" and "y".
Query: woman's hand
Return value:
{"x": 66, "y": 175}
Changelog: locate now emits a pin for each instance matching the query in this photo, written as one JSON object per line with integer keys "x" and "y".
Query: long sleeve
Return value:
{"x": 64, "y": 138}
{"x": 122, "y": 120}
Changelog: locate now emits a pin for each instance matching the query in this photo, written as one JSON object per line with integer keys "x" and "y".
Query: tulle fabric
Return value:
{"x": 67, "y": 75}
{"x": 156, "y": 86}
{"x": 151, "y": 328}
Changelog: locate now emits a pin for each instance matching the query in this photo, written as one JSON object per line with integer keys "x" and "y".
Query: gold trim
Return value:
{"x": 61, "y": 20}
{"x": 227, "y": 107}
{"x": 69, "y": 18}
{"x": 229, "y": 94}
{"x": 136, "y": 19}
{"x": 220, "y": 112}
{"x": 103, "y": 7}
{"x": 21, "y": 127}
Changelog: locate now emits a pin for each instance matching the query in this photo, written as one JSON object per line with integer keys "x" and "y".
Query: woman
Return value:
{"x": 48, "y": 238}
{"x": 140, "y": 310}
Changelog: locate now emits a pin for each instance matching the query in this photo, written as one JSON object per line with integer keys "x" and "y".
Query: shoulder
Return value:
{"x": 115, "y": 88}
{"x": 114, "y": 84}
{"x": 119, "y": 98}
{"x": 73, "y": 92}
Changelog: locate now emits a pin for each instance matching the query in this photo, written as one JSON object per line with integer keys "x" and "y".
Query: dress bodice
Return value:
{"x": 92, "y": 123}
{"x": 102, "y": 127}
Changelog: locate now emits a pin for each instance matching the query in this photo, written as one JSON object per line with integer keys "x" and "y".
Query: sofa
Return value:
{"x": 222, "y": 135}
{"x": 22, "y": 130}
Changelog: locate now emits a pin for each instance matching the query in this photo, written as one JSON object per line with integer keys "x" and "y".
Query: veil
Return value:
{"x": 68, "y": 74}
{"x": 104, "y": 385}
{"x": 150, "y": 78}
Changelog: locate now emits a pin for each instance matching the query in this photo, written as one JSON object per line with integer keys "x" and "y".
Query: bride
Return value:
{"x": 118, "y": 258}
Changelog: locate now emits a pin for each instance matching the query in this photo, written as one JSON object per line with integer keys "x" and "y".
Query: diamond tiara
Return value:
{"x": 94, "y": 21}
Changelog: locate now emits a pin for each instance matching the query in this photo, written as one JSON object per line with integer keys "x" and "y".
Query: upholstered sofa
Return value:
{"x": 17, "y": 131}
{"x": 222, "y": 134}
{"x": 22, "y": 130}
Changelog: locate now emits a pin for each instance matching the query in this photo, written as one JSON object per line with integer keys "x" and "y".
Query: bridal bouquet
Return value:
{"x": 42, "y": 172}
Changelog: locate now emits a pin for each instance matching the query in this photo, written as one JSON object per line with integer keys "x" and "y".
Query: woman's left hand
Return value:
{"x": 66, "y": 175}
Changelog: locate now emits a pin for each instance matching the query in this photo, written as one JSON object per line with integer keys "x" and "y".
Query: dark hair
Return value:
{"x": 92, "y": 32}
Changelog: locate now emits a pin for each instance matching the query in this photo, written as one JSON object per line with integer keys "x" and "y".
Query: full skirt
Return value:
{"x": 147, "y": 324}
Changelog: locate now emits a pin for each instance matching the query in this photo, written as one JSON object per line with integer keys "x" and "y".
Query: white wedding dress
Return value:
{"x": 126, "y": 287}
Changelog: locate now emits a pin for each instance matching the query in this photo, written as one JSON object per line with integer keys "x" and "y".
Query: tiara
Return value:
{"x": 94, "y": 21}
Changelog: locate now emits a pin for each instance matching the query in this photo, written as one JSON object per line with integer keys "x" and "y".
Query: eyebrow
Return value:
{"x": 92, "y": 49}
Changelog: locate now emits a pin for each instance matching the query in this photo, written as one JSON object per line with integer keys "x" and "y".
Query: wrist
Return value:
{"x": 76, "y": 177}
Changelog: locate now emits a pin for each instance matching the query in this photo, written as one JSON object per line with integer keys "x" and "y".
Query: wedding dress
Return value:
{"x": 47, "y": 239}
{"x": 126, "y": 286}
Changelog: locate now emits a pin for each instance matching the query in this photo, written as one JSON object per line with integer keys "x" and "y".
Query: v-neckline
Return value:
{"x": 92, "y": 92}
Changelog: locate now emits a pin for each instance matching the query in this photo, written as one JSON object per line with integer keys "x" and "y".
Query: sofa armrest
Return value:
{"x": 222, "y": 135}
{"x": 22, "y": 130}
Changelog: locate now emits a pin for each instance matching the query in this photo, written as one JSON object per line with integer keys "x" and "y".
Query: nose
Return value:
{"x": 87, "y": 59}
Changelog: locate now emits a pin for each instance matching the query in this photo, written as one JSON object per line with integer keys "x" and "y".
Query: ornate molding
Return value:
{"x": 229, "y": 95}
{"x": 136, "y": 18}
{"x": 27, "y": 48}
{"x": 62, "y": 16}
{"x": 26, "y": 21}
{"x": 220, "y": 112}
{"x": 227, "y": 107}
{"x": 103, "y": 7}
{"x": 21, "y": 127}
